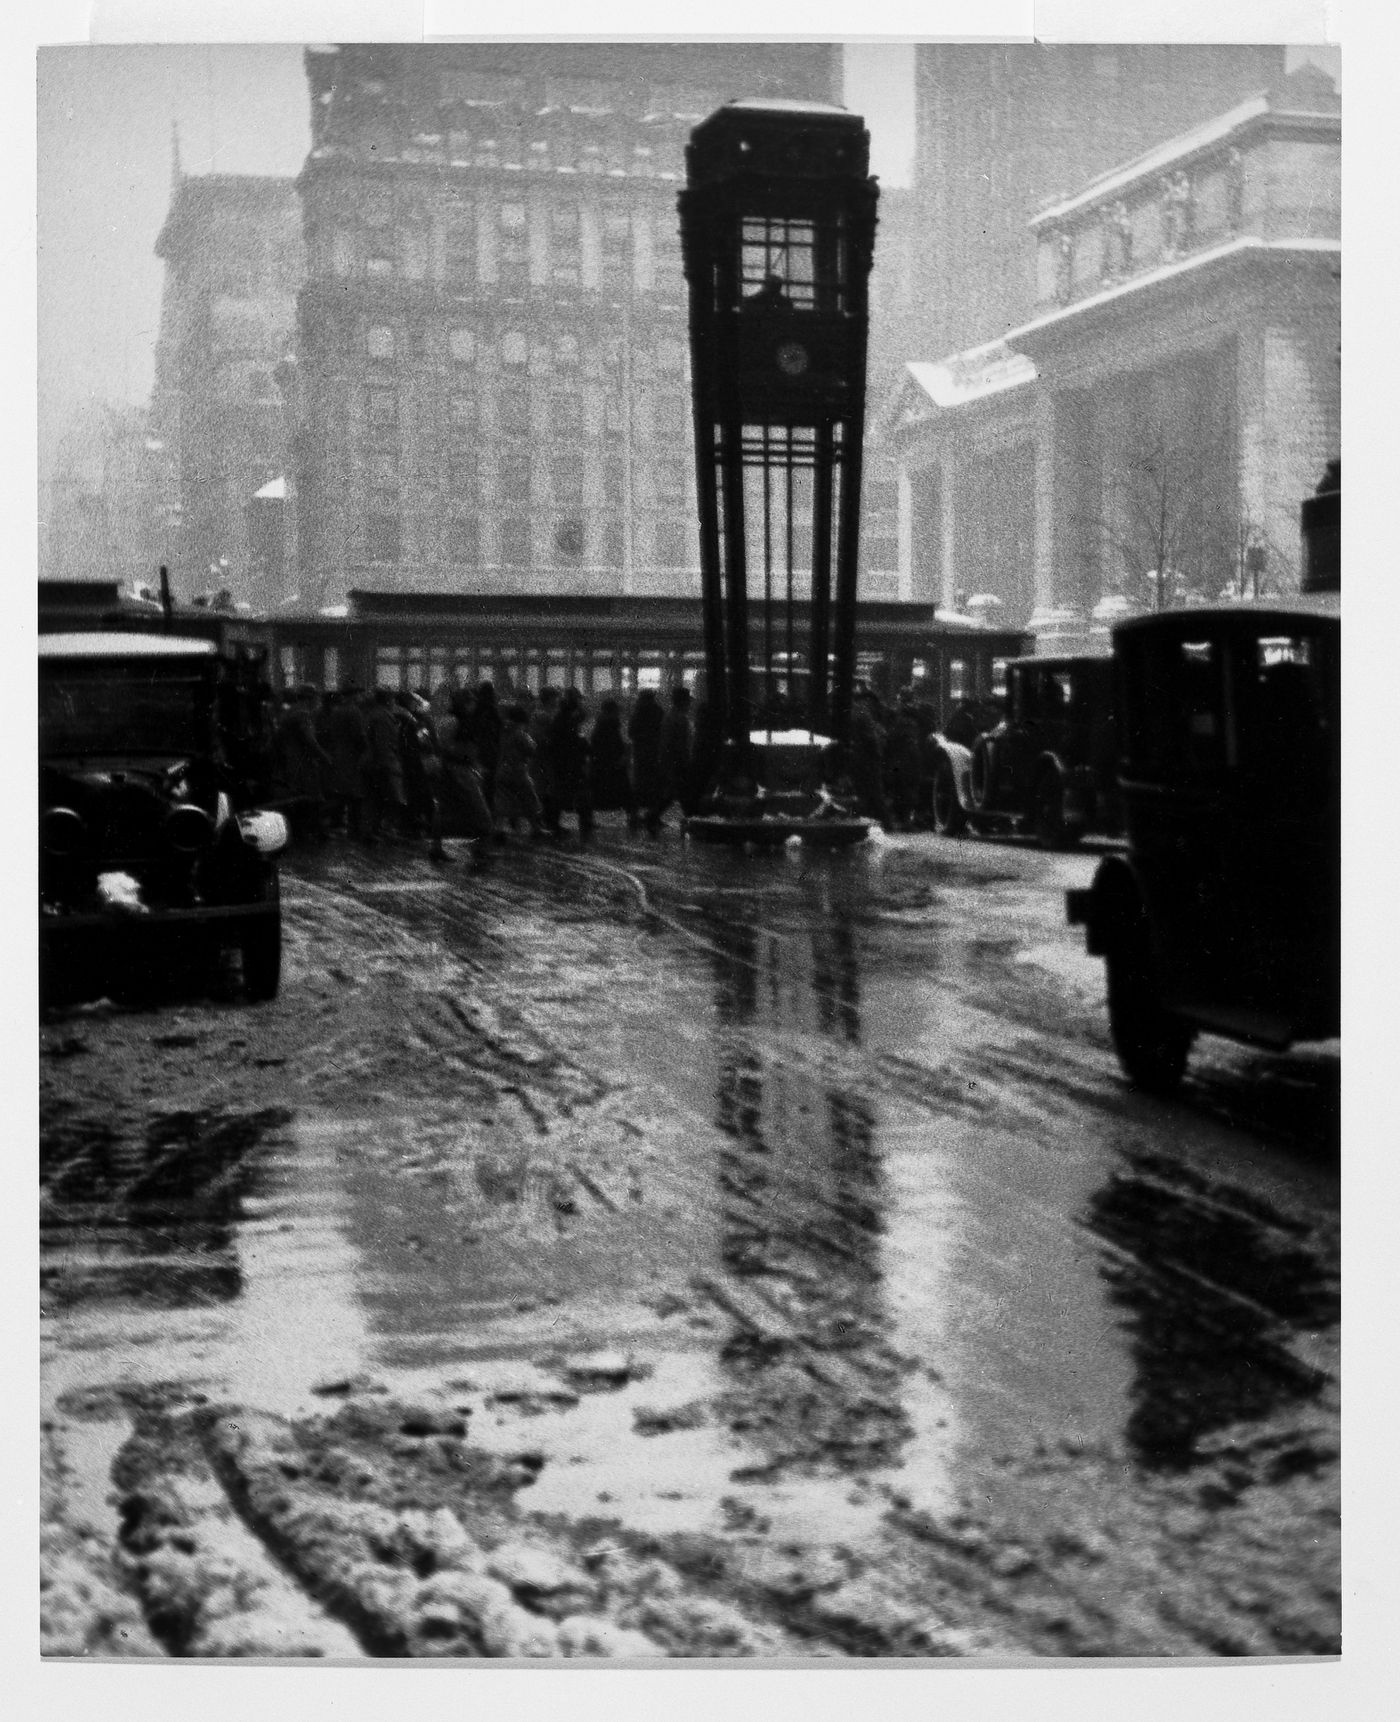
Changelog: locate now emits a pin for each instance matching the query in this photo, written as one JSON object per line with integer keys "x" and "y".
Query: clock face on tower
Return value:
{"x": 793, "y": 358}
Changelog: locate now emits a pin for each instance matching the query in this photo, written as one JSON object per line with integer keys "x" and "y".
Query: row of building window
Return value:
{"x": 560, "y": 414}
{"x": 384, "y": 343}
{"x": 565, "y": 540}
{"x": 519, "y": 473}
{"x": 607, "y": 147}
{"x": 566, "y": 244}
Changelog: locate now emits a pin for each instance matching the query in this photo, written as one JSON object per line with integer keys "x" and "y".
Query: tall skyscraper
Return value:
{"x": 492, "y": 389}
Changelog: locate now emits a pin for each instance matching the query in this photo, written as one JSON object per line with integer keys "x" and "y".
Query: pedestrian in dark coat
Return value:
{"x": 707, "y": 747}
{"x": 344, "y": 738}
{"x": 384, "y": 772}
{"x": 867, "y": 759}
{"x": 569, "y": 755}
{"x": 541, "y": 726}
{"x": 516, "y": 795}
{"x": 422, "y": 769}
{"x": 302, "y": 766}
{"x": 610, "y": 780}
{"x": 676, "y": 748}
{"x": 486, "y": 733}
{"x": 902, "y": 766}
{"x": 461, "y": 774}
{"x": 644, "y": 732}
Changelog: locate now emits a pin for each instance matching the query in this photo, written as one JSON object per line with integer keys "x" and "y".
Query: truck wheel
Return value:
{"x": 262, "y": 957}
{"x": 1152, "y": 1044}
{"x": 261, "y": 944}
{"x": 949, "y": 819}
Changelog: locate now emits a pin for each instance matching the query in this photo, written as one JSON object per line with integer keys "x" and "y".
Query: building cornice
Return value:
{"x": 1239, "y": 251}
{"x": 1185, "y": 151}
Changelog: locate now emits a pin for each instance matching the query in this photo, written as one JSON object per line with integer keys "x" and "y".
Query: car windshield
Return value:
{"x": 123, "y": 708}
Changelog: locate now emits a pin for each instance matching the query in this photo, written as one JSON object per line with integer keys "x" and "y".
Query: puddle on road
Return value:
{"x": 899, "y": 1287}
{"x": 1214, "y": 1285}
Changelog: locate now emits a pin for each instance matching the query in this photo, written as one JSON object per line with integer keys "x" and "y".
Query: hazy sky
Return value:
{"x": 104, "y": 153}
{"x": 104, "y": 146}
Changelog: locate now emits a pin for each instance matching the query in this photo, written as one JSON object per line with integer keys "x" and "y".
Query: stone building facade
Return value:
{"x": 492, "y": 388}
{"x": 232, "y": 250}
{"x": 1002, "y": 128}
{"x": 1147, "y": 435}
{"x": 896, "y": 301}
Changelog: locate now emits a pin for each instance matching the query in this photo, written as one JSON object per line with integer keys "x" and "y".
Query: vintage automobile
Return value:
{"x": 1224, "y": 913}
{"x": 149, "y": 855}
{"x": 1047, "y": 767}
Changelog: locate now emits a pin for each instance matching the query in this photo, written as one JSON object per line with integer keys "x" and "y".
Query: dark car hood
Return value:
{"x": 98, "y": 771}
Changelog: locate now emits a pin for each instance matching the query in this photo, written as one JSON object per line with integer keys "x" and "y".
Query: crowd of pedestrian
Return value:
{"x": 379, "y": 767}
{"x": 383, "y": 767}
{"x": 894, "y": 749}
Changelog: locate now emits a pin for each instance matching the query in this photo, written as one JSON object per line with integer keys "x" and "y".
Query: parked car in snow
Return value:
{"x": 1224, "y": 914}
{"x": 1047, "y": 767}
{"x": 147, "y": 856}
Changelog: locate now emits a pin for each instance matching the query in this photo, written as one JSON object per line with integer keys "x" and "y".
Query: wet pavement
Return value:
{"x": 777, "y": 1224}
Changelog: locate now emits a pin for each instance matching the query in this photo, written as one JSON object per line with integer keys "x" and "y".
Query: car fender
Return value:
{"x": 1049, "y": 760}
{"x": 1071, "y": 780}
{"x": 960, "y": 760}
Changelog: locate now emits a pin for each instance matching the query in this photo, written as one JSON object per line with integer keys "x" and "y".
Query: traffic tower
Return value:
{"x": 777, "y": 234}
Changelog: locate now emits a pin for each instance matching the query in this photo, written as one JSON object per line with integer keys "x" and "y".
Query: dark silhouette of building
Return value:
{"x": 492, "y": 390}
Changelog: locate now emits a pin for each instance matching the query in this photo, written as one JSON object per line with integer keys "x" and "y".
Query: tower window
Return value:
{"x": 779, "y": 258}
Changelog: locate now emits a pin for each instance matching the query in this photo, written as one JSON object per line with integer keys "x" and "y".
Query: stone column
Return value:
{"x": 1112, "y": 421}
{"x": 1254, "y": 451}
{"x": 1055, "y": 621}
{"x": 920, "y": 528}
{"x": 1287, "y": 395}
{"x": 948, "y": 473}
